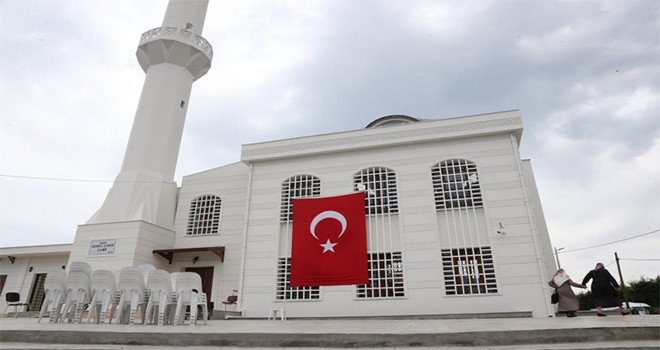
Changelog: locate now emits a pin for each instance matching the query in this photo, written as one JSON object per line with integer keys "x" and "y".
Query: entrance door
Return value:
{"x": 37, "y": 294}
{"x": 207, "y": 278}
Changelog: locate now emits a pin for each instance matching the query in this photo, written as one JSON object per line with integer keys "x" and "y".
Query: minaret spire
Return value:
{"x": 173, "y": 56}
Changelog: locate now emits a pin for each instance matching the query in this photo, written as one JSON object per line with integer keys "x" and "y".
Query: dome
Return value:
{"x": 390, "y": 120}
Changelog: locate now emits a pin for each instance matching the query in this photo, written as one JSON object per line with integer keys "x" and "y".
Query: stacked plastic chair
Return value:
{"x": 160, "y": 304}
{"x": 171, "y": 315}
{"x": 132, "y": 295}
{"x": 146, "y": 269}
{"x": 189, "y": 293}
{"x": 78, "y": 291}
{"x": 104, "y": 290}
{"x": 55, "y": 290}
{"x": 173, "y": 276}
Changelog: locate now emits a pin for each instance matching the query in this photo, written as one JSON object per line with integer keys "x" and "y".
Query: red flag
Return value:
{"x": 329, "y": 244}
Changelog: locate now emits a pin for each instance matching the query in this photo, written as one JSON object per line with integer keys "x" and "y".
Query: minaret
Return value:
{"x": 142, "y": 201}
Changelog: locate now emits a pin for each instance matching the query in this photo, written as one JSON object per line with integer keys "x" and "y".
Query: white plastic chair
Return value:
{"x": 104, "y": 290}
{"x": 160, "y": 304}
{"x": 132, "y": 298}
{"x": 78, "y": 292}
{"x": 146, "y": 269}
{"x": 189, "y": 293}
{"x": 55, "y": 290}
{"x": 173, "y": 277}
{"x": 171, "y": 315}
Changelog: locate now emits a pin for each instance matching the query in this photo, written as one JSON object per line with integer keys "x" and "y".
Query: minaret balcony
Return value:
{"x": 175, "y": 46}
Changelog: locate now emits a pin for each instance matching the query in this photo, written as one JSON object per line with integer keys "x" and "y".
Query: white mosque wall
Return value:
{"x": 134, "y": 244}
{"x": 230, "y": 184}
{"x": 517, "y": 266}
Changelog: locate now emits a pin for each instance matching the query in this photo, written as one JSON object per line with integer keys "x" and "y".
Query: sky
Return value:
{"x": 585, "y": 76}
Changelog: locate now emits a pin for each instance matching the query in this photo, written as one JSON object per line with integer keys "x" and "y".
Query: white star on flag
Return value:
{"x": 328, "y": 246}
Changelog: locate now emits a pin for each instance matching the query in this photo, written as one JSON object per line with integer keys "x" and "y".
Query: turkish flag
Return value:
{"x": 329, "y": 244}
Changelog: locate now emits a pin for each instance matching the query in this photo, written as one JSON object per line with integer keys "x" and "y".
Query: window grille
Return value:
{"x": 456, "y": 185}
{"x": 204, "y": 217}
{"x": 284, "y": 289}
{"x": 385, "y": 277}
{"x": 380, "y": 189}
{"x": 469, "y": 271}
{"x": 298, "y": 186}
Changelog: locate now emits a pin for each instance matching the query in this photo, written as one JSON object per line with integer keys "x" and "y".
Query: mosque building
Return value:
{"x": 454, "y": 222}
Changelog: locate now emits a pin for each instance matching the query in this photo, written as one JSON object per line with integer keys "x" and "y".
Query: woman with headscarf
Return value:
{"x": 604, "y": 289}
{"x": 568, "y": 302}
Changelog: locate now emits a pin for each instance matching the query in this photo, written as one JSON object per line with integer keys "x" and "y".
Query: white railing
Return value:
{"x": 178, "y": 34}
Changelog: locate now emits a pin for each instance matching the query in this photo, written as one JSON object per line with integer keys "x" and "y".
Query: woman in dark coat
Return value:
{"x": 604, "y": 289}
{"x": 568, "y": 302}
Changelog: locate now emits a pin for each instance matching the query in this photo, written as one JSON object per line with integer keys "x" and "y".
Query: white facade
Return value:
{"x": 454, "y": 220}
{"x": 249, "y": 195}
{"x": 521, "y": 250}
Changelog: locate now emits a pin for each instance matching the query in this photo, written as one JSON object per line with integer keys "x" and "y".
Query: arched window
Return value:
{"x": 298, "y": 186}
{"x": 467, "y": 259}
{"x": 204, "y": 217}
{"x": 385, "y": 260}
{"x": 379, "y": 184}
{"x": 456, "y": 185}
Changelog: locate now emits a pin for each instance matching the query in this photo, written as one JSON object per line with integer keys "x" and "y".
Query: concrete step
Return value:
{"x": 347, "y": 333}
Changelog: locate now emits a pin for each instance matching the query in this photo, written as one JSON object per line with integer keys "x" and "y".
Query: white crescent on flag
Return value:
{"x": 328, "y": 214}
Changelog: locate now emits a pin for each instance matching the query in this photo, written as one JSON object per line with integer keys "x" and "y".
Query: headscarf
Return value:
{"x": 599, "y": 266}
{"x": 560, "y": 277}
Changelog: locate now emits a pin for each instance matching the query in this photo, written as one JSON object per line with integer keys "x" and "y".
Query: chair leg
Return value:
{"x": 92, "y": 309}
{"x": 178, "y": 317}
{"x": 77, "y": 317}
{"x": 44, "y": 308}
{"x": 55, "y": 310}
{"x": 149, "y": 312}
{"x": 205, "y": 313}
{"x": 80, "y": 305}
{"x": 121, "y": 309}
{"x": 105, "y": 302}
{"x": 91, "y": 313}
{"x": 135, "y": 305}
{"x": 193, "y": 313}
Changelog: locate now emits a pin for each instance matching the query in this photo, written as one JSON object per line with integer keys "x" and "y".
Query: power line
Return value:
{"x": 640, "y": 259}
{"x": 604, "y": 244}
{"x": 72, "y": 180}
{"x": 50, "y": 178}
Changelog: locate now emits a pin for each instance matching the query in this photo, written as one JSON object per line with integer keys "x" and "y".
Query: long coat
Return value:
{"x": 567, "y": 299}
{"x": 603, "y": 288}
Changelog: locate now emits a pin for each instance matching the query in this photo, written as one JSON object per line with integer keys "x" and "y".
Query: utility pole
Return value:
{"x": 557, "y": 256}
{"x": 623, "y": 285}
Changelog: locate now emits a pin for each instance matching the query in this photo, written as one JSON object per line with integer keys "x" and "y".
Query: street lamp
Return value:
{"x": 557, "y": 256}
